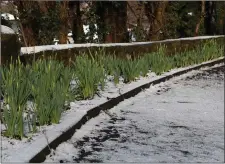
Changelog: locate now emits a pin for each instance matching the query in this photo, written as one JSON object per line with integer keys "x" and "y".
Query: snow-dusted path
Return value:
{"x": 181, "y": 120}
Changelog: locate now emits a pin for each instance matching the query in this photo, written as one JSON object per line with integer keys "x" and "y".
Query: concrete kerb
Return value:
{"x": 40, "y": 148}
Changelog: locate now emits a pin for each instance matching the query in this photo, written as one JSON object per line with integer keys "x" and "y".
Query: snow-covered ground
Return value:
{"x": 11, "y": 149}
{"x": 181, "y": 120}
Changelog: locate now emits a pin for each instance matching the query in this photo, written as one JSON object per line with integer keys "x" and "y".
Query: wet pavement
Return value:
{"x": 176, "y": 121}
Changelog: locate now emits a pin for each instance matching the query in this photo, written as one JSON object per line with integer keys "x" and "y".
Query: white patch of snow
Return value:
{"x": 8, "y": 16}
{"x": 86, "y": 30}
{"x": 6, "y": 30}
{"x": 63, "y": 151}
{"x": 70, "y": 34}
{"x": 190, "y": 13}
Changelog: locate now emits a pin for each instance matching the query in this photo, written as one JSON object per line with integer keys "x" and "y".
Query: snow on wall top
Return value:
{"x": 6, "y": 30}
{"x": 8, "y": 16}
{"x": 36, "y": 49}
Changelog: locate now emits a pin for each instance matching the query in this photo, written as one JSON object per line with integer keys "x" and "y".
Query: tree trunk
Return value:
{"x": 224, "y": 26}
{"x": 112, "y": 21}
{"x": 110, "y": 25}
{"x": 210, "y": 18}
{"x": 101, "y": 26}
{"x": 121, "y": 23}
{"x": 155, "y": 12}
{"x": 77, "y": 26}
{"x": 64, "y": 21}
{"x": 201, "y": 17}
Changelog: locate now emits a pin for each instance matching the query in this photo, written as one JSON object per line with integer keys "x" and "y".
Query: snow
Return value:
{"x": 87, "y": 30}
{"x": 6, "y": 30}
{"x": 36, "y": 49}
{"x": 70, "y": 34}
{"x": 190, "y": 13}
{"x": 78, "y": 110}
{"x": 65, "y": 149}
{"x": 181, "y": 120}
{"x": 39, "y": 140}
{"x": 8, "y": 16}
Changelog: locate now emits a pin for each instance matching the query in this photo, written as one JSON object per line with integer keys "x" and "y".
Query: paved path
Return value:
{"x": 177, "y": 121}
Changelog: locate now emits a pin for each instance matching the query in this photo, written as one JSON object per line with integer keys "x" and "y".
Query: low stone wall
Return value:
{"x": 66, "y": 52}
{"x": 10, "y": 46}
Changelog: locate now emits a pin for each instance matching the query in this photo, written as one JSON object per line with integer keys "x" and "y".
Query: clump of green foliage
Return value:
{"x": 16, "y": 89}
{"x": 50, "y": 89}
{"x": 89, "y": 75}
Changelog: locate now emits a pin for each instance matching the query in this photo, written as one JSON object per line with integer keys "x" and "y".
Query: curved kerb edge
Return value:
{"x": 41, "y": 156}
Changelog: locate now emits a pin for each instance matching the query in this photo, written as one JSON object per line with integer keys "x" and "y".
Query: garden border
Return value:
{"x": 40, "y": 150}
